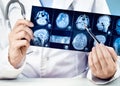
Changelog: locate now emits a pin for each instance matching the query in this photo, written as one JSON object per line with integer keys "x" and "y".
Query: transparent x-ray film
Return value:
{"x": 62, "y": 20}
{"x": 66, "y": 29}
{"x": 81, "y": 21}
{"x": 80, "y": 41}
{"x": 42, "y": 18}
{"x": 41, "y": 36}
{"x": 103, "y": 23}
{"x": 101, "y": 38}
{"x": 118, "y": 27}
{"x": 116, "y": 45}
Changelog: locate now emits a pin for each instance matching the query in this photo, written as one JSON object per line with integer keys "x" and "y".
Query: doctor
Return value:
{"x": 22, "y": 60}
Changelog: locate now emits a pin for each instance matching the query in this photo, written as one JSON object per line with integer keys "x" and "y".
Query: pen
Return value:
{"x": 92, "y": 35}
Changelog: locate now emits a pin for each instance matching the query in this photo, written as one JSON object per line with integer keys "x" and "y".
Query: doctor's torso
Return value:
{"x": 49, "y": 62}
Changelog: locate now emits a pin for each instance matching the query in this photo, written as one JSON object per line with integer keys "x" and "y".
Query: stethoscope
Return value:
{"x": 8, "y": 9}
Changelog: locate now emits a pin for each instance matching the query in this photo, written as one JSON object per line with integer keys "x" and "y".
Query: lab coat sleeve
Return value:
{"x": 7, "y": 71}
{"x": 101, "y": 81}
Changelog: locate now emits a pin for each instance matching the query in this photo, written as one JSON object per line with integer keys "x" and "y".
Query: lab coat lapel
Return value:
{"x": 62, "y": 4}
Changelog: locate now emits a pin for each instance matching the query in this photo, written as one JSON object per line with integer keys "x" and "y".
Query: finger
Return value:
{"x": 23, "y": 28}
{"x": 29, "y": 31}
{"x": 112, "y": 53}
{"x": 107, "y": 56}
{"x": 90, "y": 62}
{"x": 95, "y": 59}
{"x": 100, "y": 54}
{"x": 20, "y": 43}
{"x": 23, "y": 22}
{"x": 23, "y": 35}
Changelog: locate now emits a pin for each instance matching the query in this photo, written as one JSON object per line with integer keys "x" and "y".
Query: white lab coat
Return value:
{"x": 47, "y": 62}
{"x": 3, "y": 30}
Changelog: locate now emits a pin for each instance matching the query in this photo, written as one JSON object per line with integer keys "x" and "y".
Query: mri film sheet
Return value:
{"x": 69, "y": 30}
{"x": 116, "y": 26}
{"x": 102, "y": 38}
{"x": 81, "y": 19}
{"x": 103, "y": 24}
{"x": 115, "y": 39}
{"x": 115, "y": 43}
{"x": 42, "y": 17}
{"x": 62, "y": 20}
{"x": 80, "y": 41}
{"x": 41, "y": 38}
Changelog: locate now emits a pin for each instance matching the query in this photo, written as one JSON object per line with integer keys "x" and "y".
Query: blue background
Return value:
{"x": 114, "y": 6}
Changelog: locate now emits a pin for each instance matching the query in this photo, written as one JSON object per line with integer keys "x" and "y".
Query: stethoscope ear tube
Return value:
{"x": 7, "y": 10}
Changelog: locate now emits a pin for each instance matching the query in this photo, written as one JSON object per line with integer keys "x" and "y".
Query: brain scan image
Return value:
{"x": 37, "y": 41}
{"x": 42, "y": 18}
{"x": 60, "y": 39}
{"x": 116, "y": 45}
{"x": 62, "y": 20}
{"x": 103, "y": 23}
{"x": 41, "y": 36}
{"x": 101, "y": 39}
{"x": 81, "y": 21}
{"x": 118, "y": 27}
{"x": 80, "y": 41}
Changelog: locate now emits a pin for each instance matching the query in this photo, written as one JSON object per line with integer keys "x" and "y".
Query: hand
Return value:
{"x": 19, "y": 41}
{"x": 102, "y": 61}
